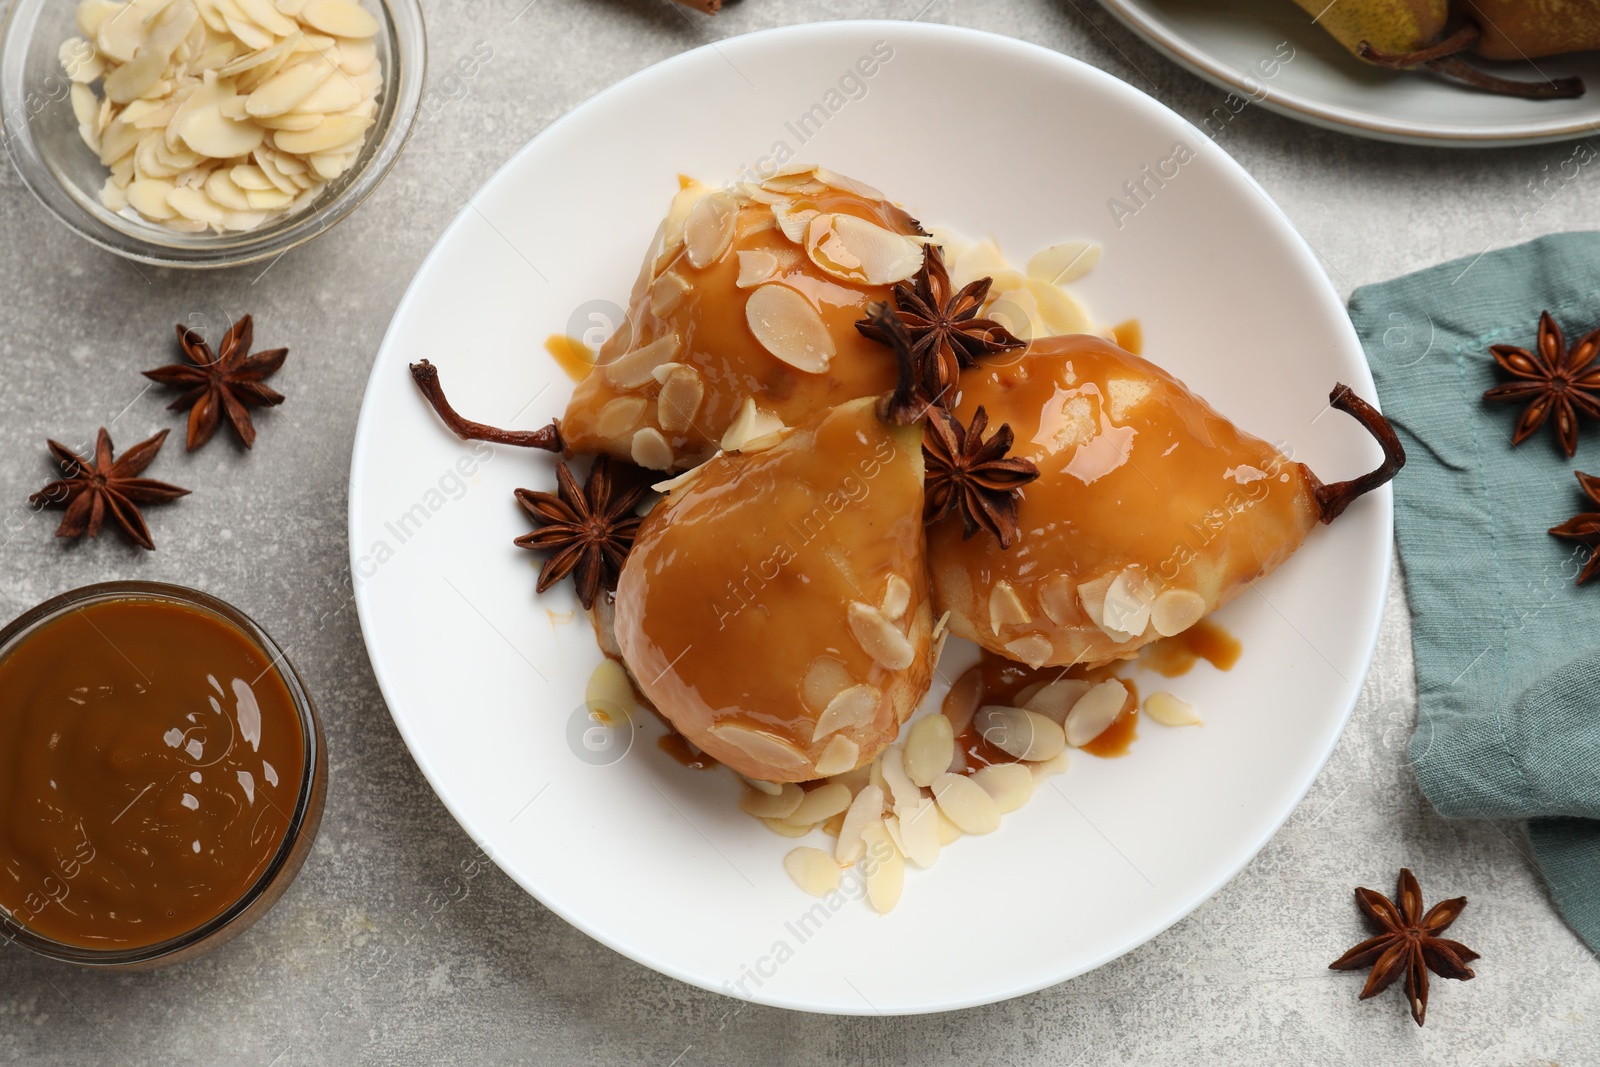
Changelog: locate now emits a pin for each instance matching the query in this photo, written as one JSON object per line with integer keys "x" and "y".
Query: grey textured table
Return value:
{"x": 377, "y": 954}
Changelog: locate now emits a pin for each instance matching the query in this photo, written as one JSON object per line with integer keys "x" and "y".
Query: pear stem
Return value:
{"x": 1459, "y": 69}
{"x": 1445, "y": 59}
{"x": 1333, "y": 499}
{"x": 426, "y": 375}
{"x": 1460, "y": 41}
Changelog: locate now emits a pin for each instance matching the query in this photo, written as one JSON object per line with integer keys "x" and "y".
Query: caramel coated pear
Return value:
{"x": 743, "y": 319}
{"x": 1150, "y": 511}
{"x": 775, "y": 607}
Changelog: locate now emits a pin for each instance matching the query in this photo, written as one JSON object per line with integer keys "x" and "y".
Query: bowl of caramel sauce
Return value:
{"x": 162, "y": 775}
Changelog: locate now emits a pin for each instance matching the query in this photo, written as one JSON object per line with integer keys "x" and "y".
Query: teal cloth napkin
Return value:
{"x": 1507, "y": 647}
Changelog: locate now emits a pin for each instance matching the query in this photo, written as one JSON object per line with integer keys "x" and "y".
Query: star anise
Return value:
{"x": 1408, "y": 943}
{"x": 228, "y": 381}
{"x": 590, "y": 529}
{"x": 1551, "y": 379}
{"x": 1585, "y": 527}
{"x": 974, "y": 476}
{"x": 89, "y": 488}
{"x": 946, "y": 333}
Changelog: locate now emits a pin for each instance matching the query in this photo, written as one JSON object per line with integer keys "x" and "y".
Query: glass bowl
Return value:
{"x": 302, "y": 824}
{"x": 40, "y": 131}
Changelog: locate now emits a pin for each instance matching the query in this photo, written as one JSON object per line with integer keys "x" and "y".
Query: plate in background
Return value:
{"x": 1241, "y": 46}
{"x": 486, "y": 683}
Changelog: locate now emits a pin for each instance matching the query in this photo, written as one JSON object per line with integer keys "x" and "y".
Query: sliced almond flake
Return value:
{"x": 264, "y": 14}
{"x": 1125, "y": 611}
{"x": 794, "y": 219}
{"x": 1175, "y": 610}
{"x": 904, "y": 793}
{"x": 856, "y": 250}
{"x": 118, "y": 36}
{"x": 864, "y": 810}
{"x": 333, "y": 131}
{"x": 787, "y": 325}
{"x": 755, "y": 267}
{"x": 821, "y": 803}
{"x": 609, "y": 694}
{"x": 708, "y": 230}
{"x": 85, "y": 106}
{"x": 681, "y": 481}
{"x": 766, "y": 749}
{"x": 966, "y": 804}
{"x": 651, "y": 450}
{"x": 241, "y": 221}
{"x": 1065, "y": 262}
{"x": 619, "y": 417}
{"x": 679, "y": 400}
{"x": 251, "y": 60}
{"x": 963, "y": 700}
{"x": 252, "y": 35}
{"x": 1054, "y": 699}
{"x": 269, "y": 200}
{"x": 765, "y": 805}
{"x": 1033, "y": 649}
{"x": 1168, "y": 710}
{"x": 91, "y": 13}
{"x": 919, "y": 833}
{"x": 1048, "y": 768}
{"x": 288, "y": 122}
{"x": 285, "y": 89}
{"x": 851, "y": 708}
{"x": 778, "y": 826}
{"x": 896, "y": 597}
{"x": 1005, "y": 607}
{"x": 1009, "y": 784}
{"x": 221, "y": 188}
{"x": 113, "y": 196}
{"x": 929, "y": 746}
{"x": 357, "y": 57}
{"x": 334, "y": 94}
{"x": 1024, "y": 734}
{"x": 813, "y": 870}
{"x": 1094, "y": 711}
{"x": 824, "y": 679}
{"x": 850, "y": 185}
{"x": 1092, "y": 596}
{"x": 133, "y": 79}
{"x": 148, "y": 196}
{"x": 1058, "y": 311}
{"x": 1058, "y": 599}
{"x": 764, "y": 442}
{"x": 633, "y": 369}
{"x": 748, "y": 425}
{"x": 980, "y": 260}
{"x": 667, "y": 292}
{"x": 885, "y": 869}
{"x": 340, "y": 18}
{"x": 769, "y": 788}
{"x": 879, "y": 637}
{"x": 81, "y": 62}
{"x": 840, "y": 756}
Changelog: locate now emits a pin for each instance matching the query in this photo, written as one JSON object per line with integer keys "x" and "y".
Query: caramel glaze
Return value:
{"x": 571, "y": 355}
{"x": 741, "y": 579}
{"x": 1003, "y": 680}
{"x": 150, "y": 760}
{"x": 716, "y": 340}
{"x": 1205, "y": 640}
{"x": 1135, "y": 472}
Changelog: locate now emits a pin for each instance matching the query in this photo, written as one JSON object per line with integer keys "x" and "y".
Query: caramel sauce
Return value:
{"x": 678, "y": 747}
{"x": 1177, "y": 655}
{"x": 1129, "y": 335}
{"x": 716, "y": 340}
{"x": 151, "y": 758}
{"x": 1003, "y": 680}
{"x": 1137, "y": 475}
{"x": 741, "y": 581}
{"x": 571, "y": 355}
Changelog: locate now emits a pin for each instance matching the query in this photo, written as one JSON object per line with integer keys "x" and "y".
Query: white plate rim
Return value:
{"x": 1381, "y": 574}
{"x": 1298, "y": 106}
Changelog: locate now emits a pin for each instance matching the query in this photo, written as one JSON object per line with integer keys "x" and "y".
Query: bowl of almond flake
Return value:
{"x": 207, "y": 133}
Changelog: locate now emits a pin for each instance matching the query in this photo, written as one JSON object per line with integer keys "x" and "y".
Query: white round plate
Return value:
{"x": 486, "y": 682}
{"x": 1241, "y": 45}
